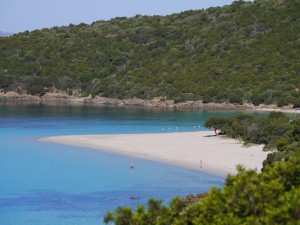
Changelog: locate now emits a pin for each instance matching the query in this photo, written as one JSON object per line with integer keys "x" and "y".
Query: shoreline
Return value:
{"x": 59, "y": 98}
{"x": 198, "y": 151}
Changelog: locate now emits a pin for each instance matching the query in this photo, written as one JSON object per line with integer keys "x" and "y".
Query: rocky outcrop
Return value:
{"x": 62, "y": 97}
{"x": 157, "y": 102}
{"x": 195, "y": 198}
{"x": 12, "y": 96}
{"x": 55, "y": 97}
{"x": 134, "y": 197}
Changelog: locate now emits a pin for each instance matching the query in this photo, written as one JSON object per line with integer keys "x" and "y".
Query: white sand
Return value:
{"x": 219, "y": 155}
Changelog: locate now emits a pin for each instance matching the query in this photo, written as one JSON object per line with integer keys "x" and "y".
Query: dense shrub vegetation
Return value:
{"x": 270, "y": 197}
{"x": 245, "y": 52}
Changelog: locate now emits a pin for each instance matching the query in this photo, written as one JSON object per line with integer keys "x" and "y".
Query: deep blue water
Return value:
{"x": 45, "y": 183}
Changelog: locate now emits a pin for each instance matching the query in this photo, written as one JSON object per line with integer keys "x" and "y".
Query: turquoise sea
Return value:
{"x": 45, "y": 183}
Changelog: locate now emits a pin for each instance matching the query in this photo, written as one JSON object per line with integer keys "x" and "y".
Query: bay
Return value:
{"x": 46, "y": 183}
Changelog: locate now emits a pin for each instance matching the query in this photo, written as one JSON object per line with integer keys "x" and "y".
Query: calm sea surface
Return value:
{"x": 44, "y": 183}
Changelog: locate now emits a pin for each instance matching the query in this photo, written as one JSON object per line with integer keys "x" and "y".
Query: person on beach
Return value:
{"x": 217, "y": 131}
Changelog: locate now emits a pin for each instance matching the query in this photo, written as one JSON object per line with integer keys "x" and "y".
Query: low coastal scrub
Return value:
{"x": 269, "y": 197}
{"x": 246, "y": 52}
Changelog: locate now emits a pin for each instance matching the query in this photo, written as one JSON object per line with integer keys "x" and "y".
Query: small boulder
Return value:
{"x": 134, "y": 197}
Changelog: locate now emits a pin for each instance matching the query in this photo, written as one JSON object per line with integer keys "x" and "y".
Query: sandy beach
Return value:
{"x": 201, "y": 151}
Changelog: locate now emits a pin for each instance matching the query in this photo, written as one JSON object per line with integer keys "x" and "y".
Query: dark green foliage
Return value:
{"x": 271, "y": 197}
{"x": 216, "y": 122}
{"x": 38, "y": 85}
{"x": 245, "y": 52}
{"x": 6, "y": 82}
{"x": 153, "y": 213}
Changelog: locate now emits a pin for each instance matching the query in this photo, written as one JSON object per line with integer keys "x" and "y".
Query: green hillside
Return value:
{"x": 245, "y": 52}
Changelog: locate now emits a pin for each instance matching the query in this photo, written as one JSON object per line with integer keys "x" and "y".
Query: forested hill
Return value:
{"x": 245, "y": 52}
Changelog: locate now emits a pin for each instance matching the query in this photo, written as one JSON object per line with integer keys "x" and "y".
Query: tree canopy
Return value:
{"x": 244, "y": 52}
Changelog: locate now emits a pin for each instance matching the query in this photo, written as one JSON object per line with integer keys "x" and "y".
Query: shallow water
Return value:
{"x": 46, "y": 183}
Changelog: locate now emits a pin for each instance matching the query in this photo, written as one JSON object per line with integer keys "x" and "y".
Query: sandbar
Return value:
{"x": 201, "y": 151}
